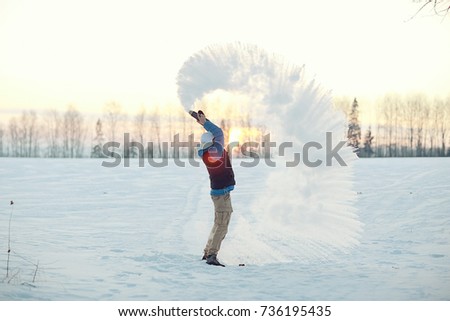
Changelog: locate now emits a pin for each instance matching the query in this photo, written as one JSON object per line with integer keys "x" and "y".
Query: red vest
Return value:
{"x": 219, "y": 168}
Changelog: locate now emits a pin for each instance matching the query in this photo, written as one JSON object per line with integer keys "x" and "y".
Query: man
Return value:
{"x": 221, "y": 176}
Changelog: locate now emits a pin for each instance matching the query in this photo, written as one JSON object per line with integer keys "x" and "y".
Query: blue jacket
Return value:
{"x": 217, "y": 162}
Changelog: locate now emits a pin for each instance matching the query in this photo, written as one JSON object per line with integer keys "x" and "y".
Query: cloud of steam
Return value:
{"x": 303, "y": 213}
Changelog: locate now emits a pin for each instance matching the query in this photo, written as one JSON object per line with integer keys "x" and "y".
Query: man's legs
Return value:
{"x": 222, "y": 215}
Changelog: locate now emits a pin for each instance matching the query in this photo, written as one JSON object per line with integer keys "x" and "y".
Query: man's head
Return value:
{"x": 206, "y": 140}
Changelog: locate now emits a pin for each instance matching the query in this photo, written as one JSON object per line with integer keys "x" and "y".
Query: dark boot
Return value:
{"x": 212, "y": 260}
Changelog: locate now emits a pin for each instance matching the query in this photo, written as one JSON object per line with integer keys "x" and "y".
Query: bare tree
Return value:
{"x": 435, "y": 7}
{"x": 444, "y": 124}
{"x": 113, "y": 117}
{"x": 155, "y": 129}
{"x": 181, "y": 117}
{"x": 13, "y": 129}
{"x": 390, "y": 117}
{"x": 24, "y": 135}
{"x": 422, "y": 113}
{"x": 435, "y": 113}
{"x": 74, "y": 133}
{"x": 411, "y": 111}
{"x": 30, "y": 133}
{"x": 2, "y": 134}
{"x": 53, "y": 133}
{"x": 139, "y": 124}
{"x": 139, "y": 128}
{"x": 114, "y": 120}
{"x": 169, "y": 115}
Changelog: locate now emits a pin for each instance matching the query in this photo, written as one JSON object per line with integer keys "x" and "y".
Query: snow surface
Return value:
{"x": 98, "y": 233}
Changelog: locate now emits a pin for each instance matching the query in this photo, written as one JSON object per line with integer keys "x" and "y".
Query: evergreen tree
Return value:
{"x": 367, "y": 150}
{"x": 354, "y": 129}
{"x": 99, "y": 139}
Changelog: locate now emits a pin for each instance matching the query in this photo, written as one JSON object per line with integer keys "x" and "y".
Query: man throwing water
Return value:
{"x": 221, "y": 176}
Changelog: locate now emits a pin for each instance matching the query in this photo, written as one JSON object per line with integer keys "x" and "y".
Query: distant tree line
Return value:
{"x": 411, "y": 126}
{"x": 51, "y": 135}
{"x": 70, "y": 134}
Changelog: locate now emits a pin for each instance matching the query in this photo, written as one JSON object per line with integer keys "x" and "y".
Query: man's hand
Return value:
{"x": 201, "y": 119}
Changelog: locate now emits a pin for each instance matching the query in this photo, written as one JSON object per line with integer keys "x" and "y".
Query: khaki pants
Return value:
{"x": 222, "y": 214}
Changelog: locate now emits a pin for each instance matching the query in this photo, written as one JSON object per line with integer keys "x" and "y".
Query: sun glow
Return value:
{"x": 241, "y": 135}
{"x": 235, "y": 135}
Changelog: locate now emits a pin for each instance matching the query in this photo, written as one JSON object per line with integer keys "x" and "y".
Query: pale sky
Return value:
{"x": 88, "y": 52}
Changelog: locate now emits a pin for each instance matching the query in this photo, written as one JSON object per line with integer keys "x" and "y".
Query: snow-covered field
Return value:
{"x": 95, "y": 233}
